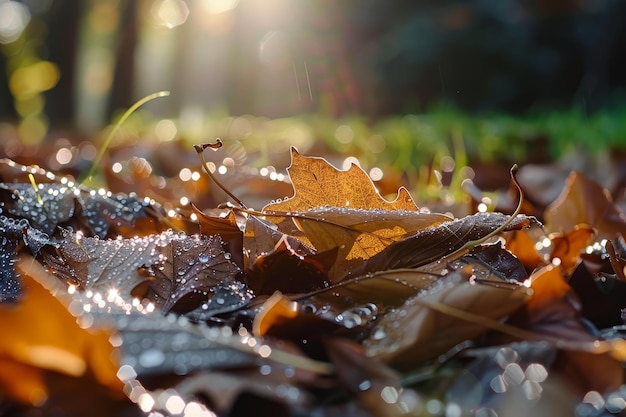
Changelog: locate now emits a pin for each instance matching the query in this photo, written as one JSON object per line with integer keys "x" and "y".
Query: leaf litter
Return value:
{"x": 335, "y": 301}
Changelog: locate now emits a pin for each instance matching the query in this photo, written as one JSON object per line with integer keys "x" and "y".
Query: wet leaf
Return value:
{"x": 225, "y": 226}
{"x": 13, "y": 235}
{"x": 416, "y": 331}
{"x": 360, "y": 234}
{"x": 584, "y": 201}
{"x": 49, "y": 206}
{"x": 91, "y": 263}
{"x": 436, "y": 242}
{"x": 154, "y": 344}
{"x": 261, "y": 237}
{"x": 317, "y": 183}
{"x": 95, "y": 213}
{"x": 10, "y": 288}
{"x": 500, "y": 262}
{"x": 370, "y": 294}
{"x": 283, "y": 269}
{"x": 228, "y": 391}
{"x": 190, "y": 267}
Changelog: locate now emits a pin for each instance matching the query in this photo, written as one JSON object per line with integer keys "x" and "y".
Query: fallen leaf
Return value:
{"x": 261, "y": 237}
{"x": 369, "y": 296}
{"x": 568, "y": 246}
{"x": 225, "y": 226}
{"x": 189, "y": 267}
{"x": 360, "y": 234}
{"x": 41, "y": 335}
{"x": 554, "y": 312}
{"x": 317, "y": 183}
{"x": 436, "y": 242}
{"x": 523, "y": 246}
{"x": 416, "y": 331}
{"x": 499, "y": 262}
{"x": 285, "y": 270}
{"x": 91, "y": 263}
{"x": 584, "y": 201}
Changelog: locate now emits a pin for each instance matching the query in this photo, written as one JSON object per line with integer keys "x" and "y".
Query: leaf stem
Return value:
{"x": 200, "y": 150}
{"x": 119, "y": 123}
{"x": 473, "y": 243}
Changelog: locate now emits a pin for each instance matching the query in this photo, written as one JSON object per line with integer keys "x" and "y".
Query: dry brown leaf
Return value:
{"x": 584, "y": 201}
{"x": 317, "y": 183}
{"x": 568, "y": 246}
{"x": 522, "y": 245}
{"x": 415, "y": 331}
{"x": 436, "y": 242}
{"x": 225, "y": 226}
{"x": 261, "y": 237}
{"x": 360, "y": 234}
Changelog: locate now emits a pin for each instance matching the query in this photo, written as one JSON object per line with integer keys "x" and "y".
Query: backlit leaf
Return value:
{"x": 584, "y": 201}
{"x": 568, "y": 246}
{"x": 435, "y": 242}
{"x": 360, "y": 234}
{"x": 317, "y": 183}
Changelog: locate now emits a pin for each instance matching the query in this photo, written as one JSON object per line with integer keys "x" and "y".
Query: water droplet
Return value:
{"x": 379, "y": 334}
{"x": 204, "y": 258}
{"x": 365, "y": 385}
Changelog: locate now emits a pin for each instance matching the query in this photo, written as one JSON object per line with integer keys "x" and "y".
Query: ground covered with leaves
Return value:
{"x": 333, "y": 301}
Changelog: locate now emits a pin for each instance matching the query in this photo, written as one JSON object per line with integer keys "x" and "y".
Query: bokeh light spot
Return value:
{"x": 344, "y": 134}
{"x": 33, "y": 79}
{"x": 170, "y": 13}
{"x": 14, "y": 17}
{"x": 218, "y": 6}
{"x": 64, "y": 156}
{"x": 165, "y": 130}
{"x": 376, "y": 174}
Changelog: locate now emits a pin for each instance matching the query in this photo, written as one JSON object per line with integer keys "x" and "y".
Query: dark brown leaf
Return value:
{"x": 190, "y": 267}
{"x": 284, "y": 270}
{"x": 94, "y": 264}
{"x": 261, "y": 237}
{"x": 500, "y": 262}
{"x": 417, "y": 330}
{"x": 436, "y": 242}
